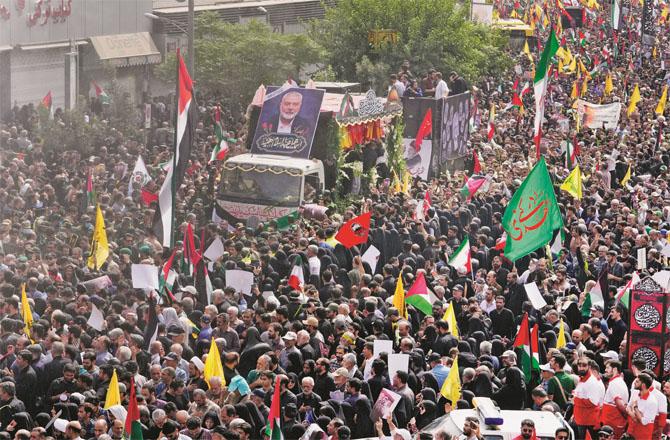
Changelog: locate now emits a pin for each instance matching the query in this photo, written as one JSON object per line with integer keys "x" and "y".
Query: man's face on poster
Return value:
{"x": 290, "y": 107}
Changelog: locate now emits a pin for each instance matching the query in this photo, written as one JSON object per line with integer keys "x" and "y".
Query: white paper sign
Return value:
{"x": 241, "y": 280}
{"x": 666, "y": 250}
{"x": 534, "y": 295}
{"x": 398, "y": 362}
{"x": 641, "y": 258}
{"x": 371, "y": 256}
{"x": 97, "y": 283}
{"x": 145, "y": 276}
{"x": 382, "y": 346}
{"x": 96, "y": 320}
{"x": 385, "y": 404}
{"x": 215, "y": 250}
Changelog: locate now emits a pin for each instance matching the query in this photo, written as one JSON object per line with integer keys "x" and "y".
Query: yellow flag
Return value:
{"x": 653, "y": 52}
{"x": 526, "y": 50}
{"x": 113, "y": 395}
{"x": 573, "y": 183}
{"x": 450, "y": 317}
{"x": 660, "y": 108}
{"x": 582, "y": 68}
{"x": 573, "y": 64}
{"x": 560, "y": 65}
{"x": 574, "y": 94}
{"x": 405, "y": 182}
{"x": 451, "y": 388}
{"x": 99, "y": 245}
{"x": 634, "y": 99}
{"x": 399, "y": 298}
{"x": 26, "y": 314}
{"x": 560, "y": 342}
{"x": 626, "y": 178}
{"x": 609, "y": 87}
{"x": 545, "y": 22}
{"x": 585, "y": 87}
{"x": 396, "y": 183}
{"x": 213, "y": 366}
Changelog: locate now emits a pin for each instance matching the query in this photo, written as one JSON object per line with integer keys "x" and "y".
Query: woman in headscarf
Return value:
{"x": 253, "y": 349}
{"x": 294, "y": 364}
{"x": 210, "y": 420}
{"x": 308, "y": 369}
{"x": 293, "y": 383}
{"x": 362, "y": 427}
{"x": 427, "y": 411}
{"x": 428, "y": 338}
{"x": 20, "y": 420}
{"x": 513, "y": 392}
{"x": 482, "y": 386}
{"x": 280, "y": 264}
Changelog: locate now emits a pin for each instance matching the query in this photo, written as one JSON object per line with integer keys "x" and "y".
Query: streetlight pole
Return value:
{"x": 190, "y": 35}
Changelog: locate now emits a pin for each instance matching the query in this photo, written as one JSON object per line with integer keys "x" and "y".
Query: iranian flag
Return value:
{"x": 100, "y": 93}
{"x": 163, "y": 223}
{"x": 461, "y": 258}
{"x": 623, "y": 295}
{"x": 568, "y": 149}
{"x": 221, "y": 149}
{"x": 297, "y": 279}
{"x": 419, "y": 296}
{"x": 596, "y": 296}
{"x": 527, "y": 343}
{"x": 133, "y": 426}
{"x": 273, "y": 429}
{"x": 540, "y": 86}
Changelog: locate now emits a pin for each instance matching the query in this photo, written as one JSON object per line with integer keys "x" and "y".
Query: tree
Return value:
{"x": 432, "y": 33}
{"x": 232, "y": 60}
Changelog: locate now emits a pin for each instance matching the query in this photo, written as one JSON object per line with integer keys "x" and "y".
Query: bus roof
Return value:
{"x": 270, "y": 160}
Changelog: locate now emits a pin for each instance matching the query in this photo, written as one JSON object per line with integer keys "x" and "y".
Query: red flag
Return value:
{"x": 425, "y": 129}
{"x": 355, "y": 231}
{"x": 189, "y": 246}
{"x": 516, "y": 84}
{"x": 419, "y": 287}
{"x": 47, "y": 101}
{"x": 148, "y": 197}
{"x": 427, "y": 203}
{"x": 477, "y": 167}
{"x": 133, "y": 428}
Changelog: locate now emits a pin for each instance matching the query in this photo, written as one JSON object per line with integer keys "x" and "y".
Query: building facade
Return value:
{"x": 60, "y": 46}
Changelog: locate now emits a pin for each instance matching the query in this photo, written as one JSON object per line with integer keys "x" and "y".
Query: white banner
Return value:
{"x": 418, "y": 163}
{"x": 597, "y": 116}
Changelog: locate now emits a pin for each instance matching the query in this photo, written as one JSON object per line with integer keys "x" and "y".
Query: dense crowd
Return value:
{"x": 320, "y": 343}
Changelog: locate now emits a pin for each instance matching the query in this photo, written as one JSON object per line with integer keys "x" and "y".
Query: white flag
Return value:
{"x": 140, "y": 175}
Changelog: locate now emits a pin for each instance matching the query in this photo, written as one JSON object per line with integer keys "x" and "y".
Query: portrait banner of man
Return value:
{"x": 287, "y": 122}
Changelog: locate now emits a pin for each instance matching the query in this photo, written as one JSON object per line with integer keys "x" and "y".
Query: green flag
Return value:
{"x": 532, "y": 215}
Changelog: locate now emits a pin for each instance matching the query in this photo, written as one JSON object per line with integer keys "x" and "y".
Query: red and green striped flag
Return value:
{"x": 90, "y": 191}
{"x": 133, "y": 428}
{"x": 527, "y": 342}
{"x": 541, "y": 82}
{"x": 221, "y": 149}
{"x": 273, "y": 429}
{"x": 419, "y": 296}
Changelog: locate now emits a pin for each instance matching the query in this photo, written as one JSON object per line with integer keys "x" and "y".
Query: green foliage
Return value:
{"x": 72, "y": 133}
{"x": 394, "y": 147}
{"x": 232, "y": 60}
{"x": 432, "y": 33}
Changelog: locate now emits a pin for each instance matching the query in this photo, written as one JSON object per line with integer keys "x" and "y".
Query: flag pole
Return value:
{"x": 173, "y": 183}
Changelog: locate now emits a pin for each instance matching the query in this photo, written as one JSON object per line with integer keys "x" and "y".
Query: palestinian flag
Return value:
{"x": 190, "y": 256}
{"x": 461, "y": 258}
{"x": 623, "y": 295}
{"x": 541, "y": 82}
{"x": 582, "y": 39}
{"x": 419, "y": 296}
{"x": 221, "y": 149}
{"x": 296, "y": 279}
{"x": 492, "y": 126}
{"x": 167, "y": 277}
{"x": 596, "y": 296}
{"x": 273, "y": 428}
{"x": 133, "y": 428}
{"x": 163, "y": 224}
{"x": 90, "y": 191}
{"x": 472, "y": 185}
{"x": 527, "y": 343}
{"x": 100, "y": 93}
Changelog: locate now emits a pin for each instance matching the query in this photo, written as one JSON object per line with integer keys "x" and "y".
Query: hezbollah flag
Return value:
{"x": 573, "y": 183}
{"x": 532, "y": 215}
{"x": 133, "y": 426}
{"x": 163, "y": 223}
{"x": 113, "y": 396}
{"x": 560, "y": 341}
{"x": 634, "y": 99}
{"x": 273, "y": 428}
{"x": 660, "y": 108}
{"x": 213, "y": 366}
{"x": 450, "y": 317}
{"x": 419, "y": 296}
{"x": 540, "y": 83}
{"x": 399, "y": 298}
{"x": 99, "y": 244}
{"x": 451, "y": 388}
{"x": 26, "y": 314}
{"x": 528, "y": 345}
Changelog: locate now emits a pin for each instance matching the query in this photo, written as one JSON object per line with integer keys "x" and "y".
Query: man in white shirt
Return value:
{"x": 441, "y": 89}
{"x": 313, "y": 260}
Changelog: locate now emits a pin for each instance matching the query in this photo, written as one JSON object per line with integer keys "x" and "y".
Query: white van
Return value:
{"x": 262, "y": 187}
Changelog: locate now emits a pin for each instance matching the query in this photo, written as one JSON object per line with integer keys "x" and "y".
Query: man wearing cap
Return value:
{"x": 290, "y": 340}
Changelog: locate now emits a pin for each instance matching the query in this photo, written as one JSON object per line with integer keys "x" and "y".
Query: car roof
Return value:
{"x": 546, "y": 423}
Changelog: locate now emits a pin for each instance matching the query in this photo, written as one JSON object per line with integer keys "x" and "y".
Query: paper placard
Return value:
{"x": 145, "y": 276}
{"x": 381, "y": 346}
{"x": 215, "y": 250}
{"x": 666, "y": 250}
{"x": 385, "y": 404}
{"x": 97, "y": 283}
{"x": 371, "y": 256}
{"x": 534, "y": 295}
{"x": 641, "y": 258}
{"x": 241, "y": 280}
{"x": 398, "y": 362}
{"x": 96, "y": 320}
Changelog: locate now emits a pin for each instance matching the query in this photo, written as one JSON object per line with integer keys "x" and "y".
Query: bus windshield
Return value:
{"x": 266, "y": 187}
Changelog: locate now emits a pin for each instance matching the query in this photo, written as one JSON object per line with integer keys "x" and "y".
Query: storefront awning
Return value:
{"x": 123, "y": 50}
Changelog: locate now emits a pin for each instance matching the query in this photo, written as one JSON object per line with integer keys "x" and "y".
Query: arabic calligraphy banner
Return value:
{"x": 648, "y": 30}
{"x": 287, "y": 122}
{"x": 599, "y": 116}
{"x": 455, "y": 129}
